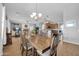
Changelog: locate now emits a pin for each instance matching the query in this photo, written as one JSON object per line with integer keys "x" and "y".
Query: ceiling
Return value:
{"x": 20, "y": 12}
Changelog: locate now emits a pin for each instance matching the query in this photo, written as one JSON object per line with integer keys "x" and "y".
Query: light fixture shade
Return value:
{"x": 31, "y": 16}
{"x": 40, "y": 15}
{"x": 34, "y": 13}
{"x": 35, "y": 17}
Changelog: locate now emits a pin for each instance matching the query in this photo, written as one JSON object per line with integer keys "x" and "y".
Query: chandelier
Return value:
{"x": 36, "y": 15}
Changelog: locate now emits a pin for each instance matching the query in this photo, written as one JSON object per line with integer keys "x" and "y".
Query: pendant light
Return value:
{"x": 36, "y": 15}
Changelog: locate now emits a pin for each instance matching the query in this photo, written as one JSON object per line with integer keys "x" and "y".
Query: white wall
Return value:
{"x": 3, "y": 35}
{"x": 71, "y": 15}
{"x": 1, "y": 42}
{"x": 8, "y": 25}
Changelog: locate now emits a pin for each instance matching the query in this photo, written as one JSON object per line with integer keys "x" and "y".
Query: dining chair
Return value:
{"x": 53, "y": 47}
{"x": 25, "y": 45}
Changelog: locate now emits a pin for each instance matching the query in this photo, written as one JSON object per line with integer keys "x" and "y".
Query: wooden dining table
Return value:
{"x": 39, "y": 42}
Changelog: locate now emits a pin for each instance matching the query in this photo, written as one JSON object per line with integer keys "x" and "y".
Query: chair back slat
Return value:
{"x": 23, "y": 37}
{"x": 54, "y": 44}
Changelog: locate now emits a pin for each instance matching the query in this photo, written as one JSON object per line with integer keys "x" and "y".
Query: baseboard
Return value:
{"x": 71, "y": 42}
